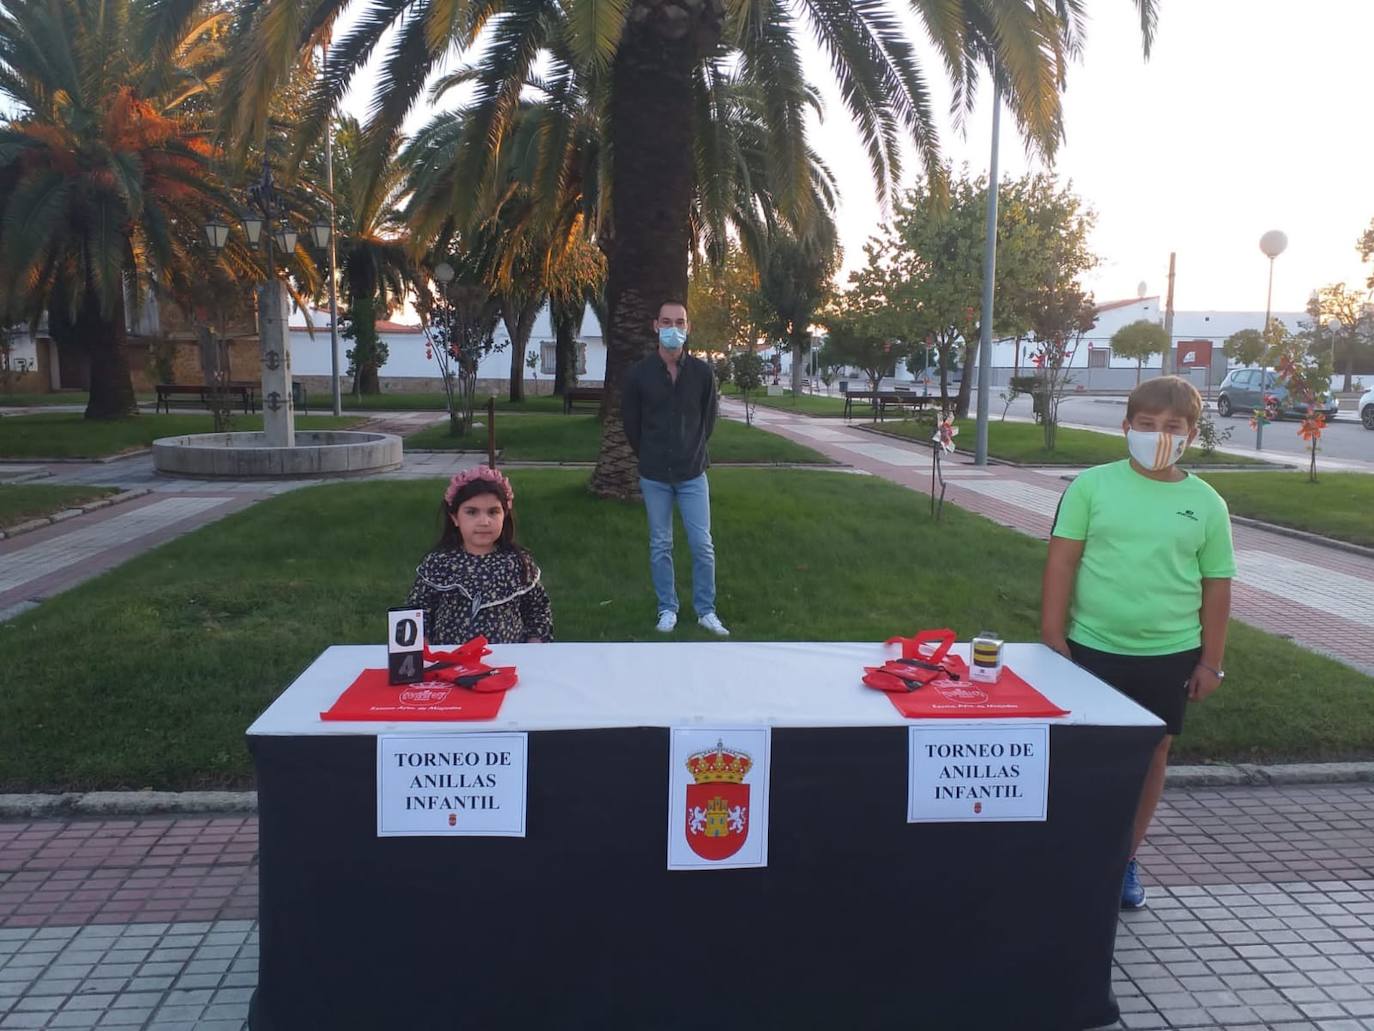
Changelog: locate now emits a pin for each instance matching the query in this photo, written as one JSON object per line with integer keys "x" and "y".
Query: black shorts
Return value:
{"x": 1156, "y": 682}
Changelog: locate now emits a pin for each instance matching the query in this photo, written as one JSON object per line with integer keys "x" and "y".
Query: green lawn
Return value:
{"x": 64, "y": 397}
{"x": 21, "y": 502}
{"x": 803, "y": 404}
{"x": 181, "y": 648}
{"x": 575, "y": 438}
{"x": 69, "y": 435}
{"x": 1024, "y": 442}
{"x": 1339, "y": 505}
{"x": 436, "y": 402}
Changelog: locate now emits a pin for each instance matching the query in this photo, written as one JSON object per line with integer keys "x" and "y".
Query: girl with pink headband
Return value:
{"x": 477, "y": 581}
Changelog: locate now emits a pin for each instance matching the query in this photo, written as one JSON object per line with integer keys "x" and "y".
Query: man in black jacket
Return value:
{"x": 669, "y": 408}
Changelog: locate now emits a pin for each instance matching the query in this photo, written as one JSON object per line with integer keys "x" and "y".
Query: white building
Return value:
{"x": 1097, "y": 368}
{"x": 407, "y": 368}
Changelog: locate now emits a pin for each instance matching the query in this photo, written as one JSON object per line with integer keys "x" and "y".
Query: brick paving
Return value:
{"x": 1317, "y": 596}
{"x": 1261, "y": 916}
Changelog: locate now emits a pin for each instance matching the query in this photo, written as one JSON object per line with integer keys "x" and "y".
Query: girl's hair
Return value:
{"x": 449, "y": 536}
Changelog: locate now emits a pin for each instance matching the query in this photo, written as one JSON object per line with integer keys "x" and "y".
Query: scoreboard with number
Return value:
{"x": 405, "y": 645}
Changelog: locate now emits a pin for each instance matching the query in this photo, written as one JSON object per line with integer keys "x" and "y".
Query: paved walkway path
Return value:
{"x": 1261, "y": 916}
{"x": 1320, "y": 597}
{"x": 35, "y": 566}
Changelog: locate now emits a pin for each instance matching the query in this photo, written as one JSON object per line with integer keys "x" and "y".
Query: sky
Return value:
{"x": 1247, "y": 117}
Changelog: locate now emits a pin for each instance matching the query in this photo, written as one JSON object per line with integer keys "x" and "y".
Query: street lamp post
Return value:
{"x": 980, "y": 451}
{"x": 266, "y": 211}
{"x": 1272, "y": 243}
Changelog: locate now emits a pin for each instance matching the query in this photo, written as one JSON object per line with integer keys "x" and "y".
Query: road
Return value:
{"x": 1344, "y": 438}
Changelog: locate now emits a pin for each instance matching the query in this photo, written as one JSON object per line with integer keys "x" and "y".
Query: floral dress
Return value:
{"x": 497, "y": 596}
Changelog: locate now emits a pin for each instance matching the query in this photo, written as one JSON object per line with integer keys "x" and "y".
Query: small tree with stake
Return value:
{"x": 1306, "y": 378}
{"x": 460, "y": 320}
{"x": 1063, "y": 313}
{"x": 746, "y": 369}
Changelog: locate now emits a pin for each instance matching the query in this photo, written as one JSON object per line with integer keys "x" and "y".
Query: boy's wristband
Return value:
{"x": 1219, "y": 674}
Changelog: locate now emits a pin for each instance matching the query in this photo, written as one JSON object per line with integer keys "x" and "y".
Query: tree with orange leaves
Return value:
{"x": 1307, "y": 378}
{"x": 106, "y": 174}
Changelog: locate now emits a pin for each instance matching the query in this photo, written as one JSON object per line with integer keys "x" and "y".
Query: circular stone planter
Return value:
{"x": 247, "y": 456}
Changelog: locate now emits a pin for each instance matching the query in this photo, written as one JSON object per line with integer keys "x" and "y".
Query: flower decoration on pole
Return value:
{"x": 945, "y": 432}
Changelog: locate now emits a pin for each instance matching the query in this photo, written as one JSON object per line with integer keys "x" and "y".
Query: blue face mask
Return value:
{"x": 672, "y": 338}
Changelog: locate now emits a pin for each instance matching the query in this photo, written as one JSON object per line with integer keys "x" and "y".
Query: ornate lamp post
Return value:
{"x": 266, "y": 211}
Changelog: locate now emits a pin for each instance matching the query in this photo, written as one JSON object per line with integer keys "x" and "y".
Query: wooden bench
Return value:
{"x": 200, "y": 395}
{"x": 879, "y": 401}
{"x": 582, "y": 395}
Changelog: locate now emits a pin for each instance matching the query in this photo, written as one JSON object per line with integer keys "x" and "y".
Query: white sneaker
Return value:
{"x": 666, "y": 621}
{"x": 712, "y": 623}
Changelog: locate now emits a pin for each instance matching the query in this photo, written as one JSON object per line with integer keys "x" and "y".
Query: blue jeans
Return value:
{"x": 694, "y": 504}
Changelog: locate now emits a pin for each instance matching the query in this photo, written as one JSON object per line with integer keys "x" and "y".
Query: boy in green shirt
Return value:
{"x": 1140, "y": 563}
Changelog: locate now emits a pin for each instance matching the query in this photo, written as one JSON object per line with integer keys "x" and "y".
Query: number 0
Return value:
{"x": 406, "y": 632}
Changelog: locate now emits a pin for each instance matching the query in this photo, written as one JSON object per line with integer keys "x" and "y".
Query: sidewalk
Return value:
{"x": 1261, "y": 915}
{"x": 1320, "y": 597}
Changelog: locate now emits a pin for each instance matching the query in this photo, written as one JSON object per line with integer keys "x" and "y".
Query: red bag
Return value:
{"x": 464, "y": 667}
{"x": 924, "y": 658}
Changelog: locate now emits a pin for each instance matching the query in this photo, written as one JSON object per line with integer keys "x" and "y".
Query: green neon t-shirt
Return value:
{"x": 1147, "y": 547}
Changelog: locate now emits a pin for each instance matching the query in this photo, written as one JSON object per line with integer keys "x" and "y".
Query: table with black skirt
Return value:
{"x": 859, "y": 920}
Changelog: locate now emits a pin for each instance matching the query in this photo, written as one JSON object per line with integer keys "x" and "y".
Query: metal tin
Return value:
{"x": 985, "y": 658}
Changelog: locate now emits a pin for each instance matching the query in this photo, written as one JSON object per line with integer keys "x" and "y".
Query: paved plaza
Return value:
{"x": 1261, "y": 915}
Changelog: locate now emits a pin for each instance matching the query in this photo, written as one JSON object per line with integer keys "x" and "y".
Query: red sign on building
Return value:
{"x": 1194, "y": 354}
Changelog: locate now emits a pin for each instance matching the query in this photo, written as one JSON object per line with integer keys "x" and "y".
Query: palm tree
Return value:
{"x": 531, "y": 202}
{"x": 644, "y": 56}
{"x": 374, "y": 247}
{"x": 106, "y": 175}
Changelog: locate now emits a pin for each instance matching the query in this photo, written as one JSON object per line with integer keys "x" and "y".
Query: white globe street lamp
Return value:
{"x": 1272, "y": 243}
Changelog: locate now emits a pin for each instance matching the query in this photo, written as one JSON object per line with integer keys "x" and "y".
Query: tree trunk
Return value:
{"x": 652, "y": 146}
{"x": 565, "y": 320}
{"x": 1349, "y": 371}
{"x": 518, "y": 328}
{"x": 965, "y": 384}
{"x": 112, "y": 389}
{"x": 1139, "y": 365}
{"x": 799, "y": 342}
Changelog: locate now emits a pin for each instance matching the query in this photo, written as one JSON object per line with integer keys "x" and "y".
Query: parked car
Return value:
{"x": 1245, "y": 390}
{"x": 1366, "y": 409}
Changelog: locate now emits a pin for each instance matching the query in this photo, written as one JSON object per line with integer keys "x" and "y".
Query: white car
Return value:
{"x": 1366, "y": 409}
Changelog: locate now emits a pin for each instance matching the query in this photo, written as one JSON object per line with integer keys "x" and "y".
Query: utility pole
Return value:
{"x": 1166, "y": 361}
{"x": 980, "y": 453}
{"x": 333, "y": 235}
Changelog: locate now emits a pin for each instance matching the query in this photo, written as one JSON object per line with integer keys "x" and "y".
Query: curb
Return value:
{"x": 1255, "y": 775}
{"x": 72, "y": 513}
{"x": 155, "y": 803}
{"x": 103, "y": 460}
{"x": 1303, "y": 535}
{"x": 125, "y": 803}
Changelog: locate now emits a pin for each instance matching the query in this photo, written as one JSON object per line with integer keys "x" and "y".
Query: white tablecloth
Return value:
{"x": 674, "y": 684}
